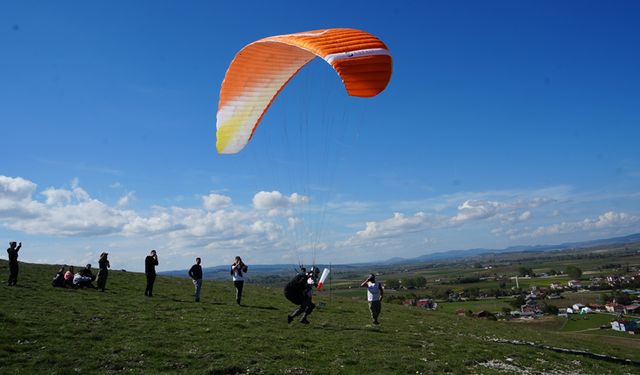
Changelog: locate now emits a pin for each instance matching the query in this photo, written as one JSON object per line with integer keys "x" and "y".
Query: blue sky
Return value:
{"x": 504, "y": 123}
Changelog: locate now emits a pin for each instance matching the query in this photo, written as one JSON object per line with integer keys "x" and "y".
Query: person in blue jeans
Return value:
{"x": 195, "y": 273}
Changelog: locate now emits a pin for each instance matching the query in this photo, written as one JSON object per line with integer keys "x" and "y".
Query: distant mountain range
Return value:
{"x": 221, "y": 272}
{"x": 457, "y": 254}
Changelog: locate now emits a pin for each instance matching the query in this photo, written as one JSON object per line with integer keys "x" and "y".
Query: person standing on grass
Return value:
{"x": 195, "y": 273}
{"x": 150, "y": 263}
{"x": 374, "y": 296}
{"x": 306, "y": 306}
{"x": 104, "y": 266}
{"x": 13, "y": 262}
{"x": 238, "y": 268}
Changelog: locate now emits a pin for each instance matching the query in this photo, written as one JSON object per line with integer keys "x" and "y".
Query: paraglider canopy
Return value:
{"x": 261, "y": 69}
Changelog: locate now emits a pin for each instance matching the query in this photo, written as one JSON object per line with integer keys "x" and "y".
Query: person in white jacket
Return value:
{"x": 375, "y": 291}
{"x": 238, "y": 269}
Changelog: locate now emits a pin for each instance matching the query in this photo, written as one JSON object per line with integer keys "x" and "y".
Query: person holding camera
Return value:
{"x": 12, "y": 251}
{"x": 150, "y": 263}
{"x": 103, "y": 271}
{"x": 195, "y": 273}
{"x": 374, "y": 296}
{"x": 238, "y": 268}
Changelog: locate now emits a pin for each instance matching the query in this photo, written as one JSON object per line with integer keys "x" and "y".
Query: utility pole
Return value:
{"x": 330, "y": 284}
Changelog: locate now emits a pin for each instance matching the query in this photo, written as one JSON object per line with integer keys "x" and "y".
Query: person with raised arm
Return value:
{"x": 374, "y": 296}
{"x": 12, "y": 251}
{"x": 150, "y": 263}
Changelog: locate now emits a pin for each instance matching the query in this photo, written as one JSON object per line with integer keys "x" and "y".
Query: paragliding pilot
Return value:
{"x": 300, "y": 291}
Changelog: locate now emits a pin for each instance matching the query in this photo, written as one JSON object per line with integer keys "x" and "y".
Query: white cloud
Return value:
{"x": 476, "y": 210}
{"x": 524, "y": 216}
{"x": 278, "y": 227}
{"x": 293, "y": 222}
{"x": 608, "y": 220}
{"x": 57, "y": 196}
{"x": 278, "y": 204}
{"x": 126, "y": 199}
{"x": 16, "y": 188}
{"x": 398, "y": 224}
{"x": 214, "y": 202}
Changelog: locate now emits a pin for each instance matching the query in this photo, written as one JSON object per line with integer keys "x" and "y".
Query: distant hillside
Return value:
{"x": 222, "y": 272}
{"x": 458, "y": 254}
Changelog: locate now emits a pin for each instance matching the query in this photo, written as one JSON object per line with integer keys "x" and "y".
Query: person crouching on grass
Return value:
{"x": 374, "y": 296}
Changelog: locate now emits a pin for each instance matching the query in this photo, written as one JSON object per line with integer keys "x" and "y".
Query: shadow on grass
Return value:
{"x": 261, "y": 307}
{"x": 191, "y": 301}
{"x": 21, "y": 286}
{"x": 364, "y": 328}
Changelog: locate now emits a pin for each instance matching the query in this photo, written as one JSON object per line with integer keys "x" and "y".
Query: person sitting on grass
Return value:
{"x": 68, "y": 277}
{"x": 58, "y": 279}
{"x": 84, "y": 278}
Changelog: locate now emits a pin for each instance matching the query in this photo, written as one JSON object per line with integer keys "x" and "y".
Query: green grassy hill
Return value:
{"x": 46, "y": 330}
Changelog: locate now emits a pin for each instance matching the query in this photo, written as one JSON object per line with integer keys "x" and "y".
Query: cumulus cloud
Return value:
{"x": 16, "y": 188}
{"x": 216, "y": 226}
{"x": 293, "y": 222}
{"x": 397, "y": 224}
{"x": 476, "y": 210}
{"x": 512, "y": 210}
{"x": 214, "y": 202}
{"x": 86, "y": 218}
{"x": 524, "y": 216}
{"x": 16, "y": 198}
{"x": 278, "y": 204}
{"x": 126, "y": 199}
{"x": 57, "y": 196}
{"x": 272, "y": 223}
{"x": 607, "y": 220}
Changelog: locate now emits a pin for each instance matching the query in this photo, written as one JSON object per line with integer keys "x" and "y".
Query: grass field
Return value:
{"x": 577, "y": 322}
{"x": 46, "y": 330}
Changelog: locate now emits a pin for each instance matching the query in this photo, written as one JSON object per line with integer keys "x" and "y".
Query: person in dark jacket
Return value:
{"x": 195, "y": 273}
{"x": 58, "y": 279}
{"x": 306, "y": 306}
{"x": 103, "y": 272}
{"x": 84, "y": 278}
{"x": 150, "y": 263}
{"x": 13, "y": 262}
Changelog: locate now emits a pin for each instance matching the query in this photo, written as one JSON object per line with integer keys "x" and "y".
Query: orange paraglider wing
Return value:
{"x": 261, "y": 69}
